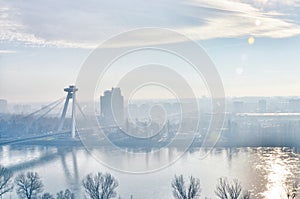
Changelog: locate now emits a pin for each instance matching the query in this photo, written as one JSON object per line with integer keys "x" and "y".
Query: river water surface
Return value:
{"x": 266, "y": 172}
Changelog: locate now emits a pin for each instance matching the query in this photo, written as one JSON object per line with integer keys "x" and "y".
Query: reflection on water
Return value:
{"x": 266, "y": 172}
{"x": 280, "y": 168}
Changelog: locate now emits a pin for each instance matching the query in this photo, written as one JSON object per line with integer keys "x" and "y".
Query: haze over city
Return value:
{"x": 129, "y": 99}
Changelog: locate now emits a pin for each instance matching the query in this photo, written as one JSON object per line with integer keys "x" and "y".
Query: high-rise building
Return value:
{"x": 3, "y": 106}
{"x": 112, "y": 107}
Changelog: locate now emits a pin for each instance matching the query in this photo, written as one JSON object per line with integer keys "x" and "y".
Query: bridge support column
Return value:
{"x": 71, "y": 90}
{"x": 73, "y": 114}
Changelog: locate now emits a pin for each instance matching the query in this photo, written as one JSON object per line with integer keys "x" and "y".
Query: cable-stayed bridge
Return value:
{"x": 72, "y": 131}
{"x": 41, "y": 113}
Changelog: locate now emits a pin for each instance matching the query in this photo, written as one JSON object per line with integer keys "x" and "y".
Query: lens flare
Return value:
{"x": 251, "y": 40}
{"x": 257, "y": 22}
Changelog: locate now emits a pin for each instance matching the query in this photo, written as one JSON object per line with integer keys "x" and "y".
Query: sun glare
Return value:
{"x": 251, "y": 40}
{"x": 278, "y": 175}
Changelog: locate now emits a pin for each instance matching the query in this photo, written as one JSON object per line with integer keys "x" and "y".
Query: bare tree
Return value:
{"x": 29, "y": 185}
{"x": 47, "y": 196}
{"x": 180, "y": 191}
{"x": 100, "y": 186}
{"x": 6, "y": 184}
{"x": 291, "y": 193}
{"x": 246, "y": 195}
{"x": 230, "y": 190}
{"x": 67, "y": 194}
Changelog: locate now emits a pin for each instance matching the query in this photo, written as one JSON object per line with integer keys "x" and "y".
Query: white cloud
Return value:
{"x": 241, "y": 21}
{"x": 84, "y": 24}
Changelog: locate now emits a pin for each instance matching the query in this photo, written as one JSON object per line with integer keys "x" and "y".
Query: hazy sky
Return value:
{"x": 44, "y": 43}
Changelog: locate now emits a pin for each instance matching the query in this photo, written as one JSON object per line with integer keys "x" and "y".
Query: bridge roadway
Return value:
{"x": 25, "y": 139}
{"x": 20, "y": 140}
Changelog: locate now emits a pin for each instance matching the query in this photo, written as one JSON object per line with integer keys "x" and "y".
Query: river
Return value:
{"x": 266, "y": 172}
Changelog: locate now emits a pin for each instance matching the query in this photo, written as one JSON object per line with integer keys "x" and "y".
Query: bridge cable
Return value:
{"x": 45, "y": 107}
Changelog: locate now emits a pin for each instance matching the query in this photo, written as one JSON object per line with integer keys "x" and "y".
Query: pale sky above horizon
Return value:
{"x": 43, "y": 44}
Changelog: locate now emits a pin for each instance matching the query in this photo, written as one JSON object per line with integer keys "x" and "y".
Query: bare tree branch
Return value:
{"x": 233, "y": 190}
{"x": 6, "y": 184}
{"x": 28, "y": 185}
{"x": 179, "y": 189}
{"x": 67, "y": 194}
{"x": 221, "y": 190}
{"x": 47, "y": 196}
{"x": 291, "y": 193}
{"x": 100, "y": 186}
{"x": 246, "y": 195}
{"x": 194, "y": 188}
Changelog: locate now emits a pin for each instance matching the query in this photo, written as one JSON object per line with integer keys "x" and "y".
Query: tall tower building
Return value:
{"x": 112, "y": 107}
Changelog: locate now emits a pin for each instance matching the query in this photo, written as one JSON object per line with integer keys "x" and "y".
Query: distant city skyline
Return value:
{"x": 254, "y": 44}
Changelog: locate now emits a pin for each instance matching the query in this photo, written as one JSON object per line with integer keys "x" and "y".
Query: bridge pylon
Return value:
{"x": 71, "y": 90}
